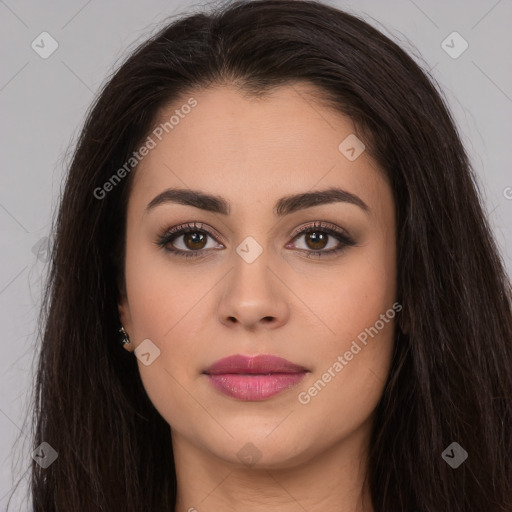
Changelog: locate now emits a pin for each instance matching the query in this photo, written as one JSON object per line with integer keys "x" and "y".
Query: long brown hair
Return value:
{"x": 451, "y": 375}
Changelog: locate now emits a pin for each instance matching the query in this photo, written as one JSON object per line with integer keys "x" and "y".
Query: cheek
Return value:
{"x": 164, "y": 300}
{"x": 158, "y": 294}
{"x": 161, "y": 308}
{"x": 357, "y": 296}
{"x": 165, "y": 311}
{"x": 350, "y": 373}
{"x": 354, "y": 294}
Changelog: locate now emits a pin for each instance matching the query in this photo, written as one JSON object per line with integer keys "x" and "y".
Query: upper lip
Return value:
{"x": 261, "y": 364}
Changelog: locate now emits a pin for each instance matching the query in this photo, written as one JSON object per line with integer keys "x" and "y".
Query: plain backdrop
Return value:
{"x": 43, "y": 103}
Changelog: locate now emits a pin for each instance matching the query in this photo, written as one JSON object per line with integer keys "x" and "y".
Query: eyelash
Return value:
{"x": 169, "y": 235}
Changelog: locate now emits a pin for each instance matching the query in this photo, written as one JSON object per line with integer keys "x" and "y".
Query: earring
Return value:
{"x": 125, "y": 340}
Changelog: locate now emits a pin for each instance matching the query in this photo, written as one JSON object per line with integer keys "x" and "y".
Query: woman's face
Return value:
{"x": 253, "y": 284}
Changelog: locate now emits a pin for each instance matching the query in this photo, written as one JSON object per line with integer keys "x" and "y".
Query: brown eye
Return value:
{"x": 321, "y": 239}
{"x": 316, "y": 240}
{"x": 194, "y": 240}
{"x": 188, "y": 240}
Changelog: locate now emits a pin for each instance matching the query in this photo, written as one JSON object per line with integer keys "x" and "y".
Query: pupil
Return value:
{"x": 317, "y": 239}
{"x": 195, "y": 238}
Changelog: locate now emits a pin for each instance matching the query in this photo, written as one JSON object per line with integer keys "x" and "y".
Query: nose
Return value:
{"x": 254, "y": 297}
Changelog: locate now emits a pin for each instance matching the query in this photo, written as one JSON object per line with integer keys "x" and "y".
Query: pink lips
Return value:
{"x": 254, "y": 378}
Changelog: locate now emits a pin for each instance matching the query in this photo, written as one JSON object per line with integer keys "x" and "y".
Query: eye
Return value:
{"x": 191, "y": 240}
{"x": 321, "y": 239}
{"x": 187, "y": 240}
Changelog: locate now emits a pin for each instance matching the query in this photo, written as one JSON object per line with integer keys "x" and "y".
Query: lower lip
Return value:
{"x": 254, "y": 387}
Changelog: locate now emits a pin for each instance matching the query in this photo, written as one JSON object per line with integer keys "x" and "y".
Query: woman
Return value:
{"x": 273, "y": 207}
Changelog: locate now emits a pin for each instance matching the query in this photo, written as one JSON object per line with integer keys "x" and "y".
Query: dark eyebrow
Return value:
{"x": 284, "y": 206}
{"x": 293, "y": 203}
{"x": 207, "y": 202}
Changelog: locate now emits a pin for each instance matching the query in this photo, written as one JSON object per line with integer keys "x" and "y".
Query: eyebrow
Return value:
{"x": 284, "y": 206}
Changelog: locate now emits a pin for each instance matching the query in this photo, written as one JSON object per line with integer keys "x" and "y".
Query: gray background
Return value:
{"x": 43, "y": 102}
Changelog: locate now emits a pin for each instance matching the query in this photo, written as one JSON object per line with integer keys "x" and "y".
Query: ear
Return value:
{"x": 123, "y": 309}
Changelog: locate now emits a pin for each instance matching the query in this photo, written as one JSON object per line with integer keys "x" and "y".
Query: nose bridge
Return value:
{"x": 253, "y": 294}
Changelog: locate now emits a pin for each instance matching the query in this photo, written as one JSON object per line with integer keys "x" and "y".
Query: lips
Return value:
{"x": 263, "y": 364}
{"x": 254, "y": 378}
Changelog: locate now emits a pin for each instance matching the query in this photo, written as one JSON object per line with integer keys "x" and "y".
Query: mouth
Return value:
{"x": 254, "y": 378}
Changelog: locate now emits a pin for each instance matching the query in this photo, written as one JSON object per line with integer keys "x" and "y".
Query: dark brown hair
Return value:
{"x": 451, "y": 377}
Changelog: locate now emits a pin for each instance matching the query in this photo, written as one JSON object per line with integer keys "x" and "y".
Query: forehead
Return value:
{"x": 229, "y": 122}
{"x": 229, "y": 142}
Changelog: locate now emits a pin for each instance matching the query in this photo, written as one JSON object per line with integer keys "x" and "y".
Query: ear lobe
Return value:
{"x": 123, "y": 309}
{"x": 125, "y": 317}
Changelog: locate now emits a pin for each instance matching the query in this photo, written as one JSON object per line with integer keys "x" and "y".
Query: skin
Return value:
{"x": 307, "y": 310}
